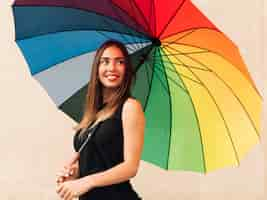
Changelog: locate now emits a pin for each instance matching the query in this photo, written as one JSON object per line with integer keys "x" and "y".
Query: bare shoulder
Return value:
{"x": 132, "y": 105}
{"x": 133, "y": 118}
{"x": 132, "y": 108}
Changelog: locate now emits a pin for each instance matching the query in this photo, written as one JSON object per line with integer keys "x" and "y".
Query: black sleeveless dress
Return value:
{"x": 103, "y": 151}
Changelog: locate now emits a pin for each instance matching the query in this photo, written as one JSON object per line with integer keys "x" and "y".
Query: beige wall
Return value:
{"x": 35, "y": 136}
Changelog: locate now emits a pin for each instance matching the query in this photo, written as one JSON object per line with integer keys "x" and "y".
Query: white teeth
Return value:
{"x": 111, "y": 77}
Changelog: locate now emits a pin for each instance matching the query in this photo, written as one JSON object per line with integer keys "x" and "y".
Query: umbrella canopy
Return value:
{"x": 201, "y": 105}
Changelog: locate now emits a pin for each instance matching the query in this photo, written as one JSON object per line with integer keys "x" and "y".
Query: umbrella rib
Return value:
{"x": 179, "y": 53}
{"x": 127, "y": 14}
{"x": 149, "y": 82}
{"x": 139, "y": 43}
{"x": 155, "y": 20}
{"x": 63, "y": 31}
{"x": 171, "y": 79}
{"x": 200, "y": 135}
{"x": 179, "y": 74}
{"x": 142, "y": 44}
{"x": 170, "y": 104}
{"x": 138, "y": 66}
{"x": 185, "y": 35}
{"x": 195, "y": 46}
{"x": 147, "y": 74}
{"x": 188, "y": 53}
{"x": 136, "y": 46}
{"x": 121, "y": 20}
{"x": 105, "y": 35}
{"x": 237, "y": 98}
{"x": 192, "y": 29}
{"x": 62, "y": 60}
{"x": 242, "y": 105}
{"x": 158, "y": 76}
{"x": 116, "y": 13}
{"x": 219, "y": 110}
{"x": 142, "y": 14}
{"x": 150, "y": 85}
{"x": 149, "y": 17}
{"x": 122, "y": 36}
{"x": 186, "y": 66}
{"x": 166, "y": 44}
{"x": 171, "y": 18}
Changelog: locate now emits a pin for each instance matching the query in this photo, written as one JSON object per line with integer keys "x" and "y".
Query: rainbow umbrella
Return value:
{"x": 201, "y": 105}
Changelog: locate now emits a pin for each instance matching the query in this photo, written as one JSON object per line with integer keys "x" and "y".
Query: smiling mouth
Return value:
{"x": 112, "y": 77}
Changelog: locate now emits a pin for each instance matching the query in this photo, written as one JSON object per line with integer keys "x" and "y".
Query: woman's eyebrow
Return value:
{"x": 111, "y": 57}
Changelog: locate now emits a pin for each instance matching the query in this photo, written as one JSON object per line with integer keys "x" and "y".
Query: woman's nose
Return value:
{"x": 111, "y": 65}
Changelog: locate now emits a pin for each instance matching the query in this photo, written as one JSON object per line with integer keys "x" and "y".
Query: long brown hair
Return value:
{"x": 94, "y": 97}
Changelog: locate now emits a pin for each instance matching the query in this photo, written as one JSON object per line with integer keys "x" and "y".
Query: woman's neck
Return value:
{"x": 107, "y": 94}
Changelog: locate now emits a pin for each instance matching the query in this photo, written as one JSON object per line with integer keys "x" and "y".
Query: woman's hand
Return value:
{"x": 70, "y": 172}
{"x": 73, "y": 188}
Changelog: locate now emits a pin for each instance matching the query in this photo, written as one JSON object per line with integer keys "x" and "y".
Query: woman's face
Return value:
{"x": 111, "y": 67}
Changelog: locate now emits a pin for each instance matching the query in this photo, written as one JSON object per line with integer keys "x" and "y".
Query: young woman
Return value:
{"x": 113, "y": 153}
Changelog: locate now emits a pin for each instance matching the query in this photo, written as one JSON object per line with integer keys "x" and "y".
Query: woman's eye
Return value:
{"x": 105, "y": 62}
{"x": 121, "y": 62}
{"x": 116, "y": 62}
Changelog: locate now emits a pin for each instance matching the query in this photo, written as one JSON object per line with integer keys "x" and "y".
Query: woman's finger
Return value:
{"x": 65, "y": 173}
{"x": 75, "y": 195}
{"x": 67, "y": 194}
{"x": 59, "y": 188}
{"x": 71, "y": 196}
{"x": 71, "y": 171}
{"x": 63, "y": 192}
{"x": 59, "y": 179}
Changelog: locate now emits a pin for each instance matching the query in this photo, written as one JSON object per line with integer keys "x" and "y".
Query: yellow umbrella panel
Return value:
{"x": 225, "y": 103}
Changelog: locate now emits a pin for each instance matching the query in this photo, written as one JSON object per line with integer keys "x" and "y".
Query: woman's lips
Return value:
{"x": 112, "y": 77}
